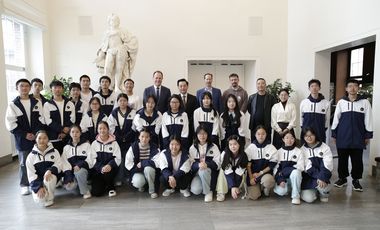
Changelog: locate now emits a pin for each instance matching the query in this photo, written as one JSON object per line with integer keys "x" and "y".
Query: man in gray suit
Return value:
{"x": 161, "y": 92}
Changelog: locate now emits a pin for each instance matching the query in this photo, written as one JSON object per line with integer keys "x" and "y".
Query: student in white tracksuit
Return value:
{"x": 262, "y": 158}
{"x": 288, "y": 172}
{"x": 43, "y": 166}
{"x": 233, "y": 169}
{"x": 205, "y": 158}
{"x": 318, "y": 168}
{"x": 75, "y": 164}
{"x": 142, "y": 163}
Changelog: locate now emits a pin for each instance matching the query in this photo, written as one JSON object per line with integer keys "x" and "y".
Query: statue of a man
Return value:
{"x": 116, "y": 57}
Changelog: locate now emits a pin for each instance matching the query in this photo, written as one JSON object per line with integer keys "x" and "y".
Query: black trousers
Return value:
{"x": 182, "y": 182}
{"x": 356, "y": 156}
{"x": 102, "y": 183}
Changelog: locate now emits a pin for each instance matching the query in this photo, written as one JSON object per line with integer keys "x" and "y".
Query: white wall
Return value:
{"x": 170, "y": 32}
{"x": 320, "y": 25}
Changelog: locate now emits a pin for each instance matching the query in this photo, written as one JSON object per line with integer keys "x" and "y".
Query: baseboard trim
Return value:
{"x": 4, "y": 160}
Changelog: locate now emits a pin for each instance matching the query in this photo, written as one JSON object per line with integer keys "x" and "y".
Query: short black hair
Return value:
{"x": 182, "y": 80}
{"x": 283, "y": 90}
{"x": 312, "y": 81}
{"x": 352, "y": 81}
{"x": 128, "y": 79}
{"x": 233, "y": 75}
{"x": 56, "y": 83}
{"x": 22, "y": 80}
{"x": 74, "y": 85}
{"x": 122, "y": 95}
{"x": 36, "y": 80}
{"x": 84, "y": 76}
{"x": 261, "y": 79}
{"x": 105, "y": 77}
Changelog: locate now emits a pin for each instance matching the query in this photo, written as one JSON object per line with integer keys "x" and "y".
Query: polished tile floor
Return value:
{"x": 134, "y": 210}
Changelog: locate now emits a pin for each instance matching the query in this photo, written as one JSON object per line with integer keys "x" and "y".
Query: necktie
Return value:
{"x": 158, "y": 93}
{"x": 184, "y": 100}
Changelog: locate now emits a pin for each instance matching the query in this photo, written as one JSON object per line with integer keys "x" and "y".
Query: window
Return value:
{"x": 14, "y": 52}
{"x": 356, "y": 65}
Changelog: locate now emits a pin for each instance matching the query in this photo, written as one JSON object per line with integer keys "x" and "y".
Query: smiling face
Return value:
{"x": 129, "y": 86}
{"x": 144, "y": 138}
{"x": 352, "y": 88}
{"x": 310, "y": 138}
{"x": 202, "y": 137}
{"x": 208, "y": 80}
{"x": 288, "y": 139}
{"x": 231, "y": 103}
{"x": 103, "y": 131}
{"x": 234, "y": 145}
{"x": 150, "y": 104}
{"x": 174, "y": 147}
{"x": 94, "y": 106}
{"x": 75, "y": 93}
{"x": 284, "y": 96}
{"x": 182, "y": 86}
{"x": 157, "y": 79}
{"x": 42, "y": 140}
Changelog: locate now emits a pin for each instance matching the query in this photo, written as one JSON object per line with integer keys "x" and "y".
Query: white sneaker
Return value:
{"x": 87, "y": 195}
{"x": 266, "y": 191}
{"x": 324, "y": 199}
{"x": 185, "y": 192}
{"x": 49, "y": 203}
{"x": 168, "y": 192}
{"x": 208, "y": 196}
{"x": 296, "y": 201}
{"x": 24, "y": 190}
{"x": 112, "y": 193}
{"x": 220, "y": 197}
{"x": 153, "y": 195}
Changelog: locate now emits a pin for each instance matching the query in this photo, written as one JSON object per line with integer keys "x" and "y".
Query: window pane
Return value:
{"x": 12, "y": 77}
{"x": 13, "y": 35}
{"x": 356, "y": 67}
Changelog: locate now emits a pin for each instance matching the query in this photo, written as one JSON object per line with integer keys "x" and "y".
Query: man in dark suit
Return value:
{"x": 215, "y": 92}
{"x": 161, "y": 92}
{"x": 190, "y": 102}
{"x": 260, "y": 107}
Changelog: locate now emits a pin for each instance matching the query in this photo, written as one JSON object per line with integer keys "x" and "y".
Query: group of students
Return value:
{"x": 96, "y": 145}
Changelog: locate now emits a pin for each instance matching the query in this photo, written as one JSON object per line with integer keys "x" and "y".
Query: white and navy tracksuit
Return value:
{"x": 104, "y": 153}
{"x": 153, "y": 124}
{"x": 230, "y": 127}
{"x": 210, "y": 119}
{"x": 234, "y": 171}
{"x": 107, "y": 102}
{"x": 204, "y": 180}
{"x": 19, "y": 124}
{"x": 89, "y": 128}
{"x": 37, "y": 164}
{"x": 76, "y": 156}
{"x": 290, "y": 167}
{"x": 261, "y": 156}
{"x": 283, "y": 116}
{"x": 149, "y": 170}
{"x": 314, "y": 113}
{"x": 352, "y": 125}
{"x": 175, "y": 124}
{"x": 81, "y": 108}
{"x": 181, "y": 175}
{"x": 56, "y": 123}
{"x": 318, "y": 166}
